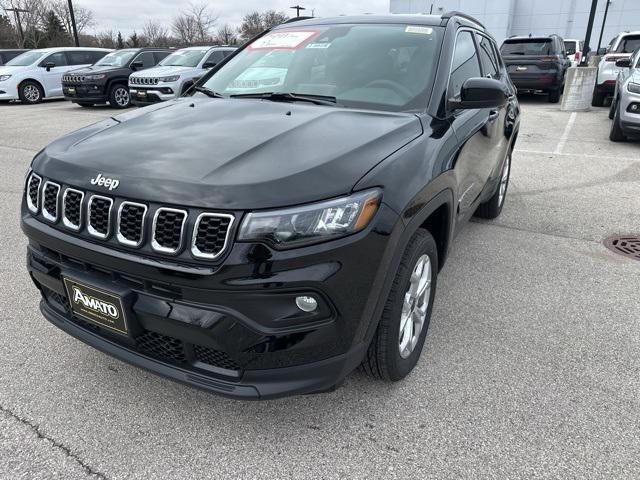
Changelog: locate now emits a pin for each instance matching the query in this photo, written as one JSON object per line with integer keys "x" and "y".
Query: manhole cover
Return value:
{"x": 627, "y": 245}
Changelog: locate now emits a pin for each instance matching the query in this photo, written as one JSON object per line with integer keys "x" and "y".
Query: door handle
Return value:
{"x": 493, "y": 115}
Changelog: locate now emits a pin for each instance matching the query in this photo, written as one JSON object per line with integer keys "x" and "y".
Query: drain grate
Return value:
{"x": 626, "y": 245}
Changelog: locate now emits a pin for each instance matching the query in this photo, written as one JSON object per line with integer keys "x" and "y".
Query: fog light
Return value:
{"x": 634, "y": 107}
{"x": 306, "y": 304}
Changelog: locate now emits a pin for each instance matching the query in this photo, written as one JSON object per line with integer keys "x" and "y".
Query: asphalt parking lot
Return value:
{"x": 531, "y": 367}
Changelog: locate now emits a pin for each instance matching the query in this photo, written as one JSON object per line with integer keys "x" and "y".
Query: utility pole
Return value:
{"x": 73, "y": 24}
{"x": 297, "y": 8}
{"x": 604, "y": 20}
{"x": 587, "y": 38}
{"x": 16, "y": 13}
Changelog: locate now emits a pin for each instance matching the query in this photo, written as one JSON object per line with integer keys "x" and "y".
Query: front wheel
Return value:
{"x": 612, "y": 108}
{"x": 399, "y": 338}
{"x": 30, "y": 92}
{"x": 616, "y": 134}
{"x": 119, "y": 97}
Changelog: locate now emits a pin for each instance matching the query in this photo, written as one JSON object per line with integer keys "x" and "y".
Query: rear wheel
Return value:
{"x": 493, "y": 207}
{"x": 397, "y": 344}
{"x": 554, "y": 96}
{"x": 30, "y": 92}
{"x": 598, "y": 99}
{"x": 616, "y": 134}
{"x": 119, "y": 96}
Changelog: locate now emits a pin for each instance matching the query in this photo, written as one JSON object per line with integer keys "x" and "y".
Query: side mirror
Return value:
{"x": 136, "y": 65}
{"x": 49, "y": 66}
{"x": 602, "y": 51}
{"x": 623, "y": 62}
{"x": 209, "y": 64}
{"x": 482, "y": 93}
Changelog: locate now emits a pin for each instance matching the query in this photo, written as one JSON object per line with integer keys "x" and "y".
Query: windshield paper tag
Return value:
{"x": 289, "y": 40}
{"x": 421, "y": 30}
{"x": 318, "y": 45}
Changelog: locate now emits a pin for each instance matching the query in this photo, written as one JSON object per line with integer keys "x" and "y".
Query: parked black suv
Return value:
{"x": 537, "y": 63}
{"x": 7, "y": 54}
{"x": 108, "y": 79}
{"x": 264, "y": 239}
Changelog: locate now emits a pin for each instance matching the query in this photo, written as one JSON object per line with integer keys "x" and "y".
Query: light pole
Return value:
{"x": 297, "y": 8}
{"x": 73, "y": 24}
{"x": 604, "y": 20}
{"x": 17, "y": 12}
{"x": 587, "y": 38}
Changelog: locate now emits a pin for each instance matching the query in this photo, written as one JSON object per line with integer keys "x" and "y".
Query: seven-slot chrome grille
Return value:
{"x": 73, "y": 78}
{"x": 164, "y": 230}
{"x": 143, "y": 81}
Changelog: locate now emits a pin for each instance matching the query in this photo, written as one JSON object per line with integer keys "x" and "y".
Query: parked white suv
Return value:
{"x": 622, "y": 46}
{"x": 175, "y": 74}
{"x": 37, "y": 74}
{"x": 574, "y": 49}
{"x": 625, "y": 106}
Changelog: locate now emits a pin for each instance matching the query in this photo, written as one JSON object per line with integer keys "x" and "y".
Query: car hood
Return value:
{"x": 9, "y": 70}
{"x": 96, "y": 69}
{"x": 164, "y": 71}
{"x": 230, "y": 153}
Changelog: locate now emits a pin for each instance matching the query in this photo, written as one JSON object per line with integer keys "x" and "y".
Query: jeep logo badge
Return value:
{"x": 110, "y": 183}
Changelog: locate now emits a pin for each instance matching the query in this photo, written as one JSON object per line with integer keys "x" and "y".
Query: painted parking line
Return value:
{"x": 566, "y": 133}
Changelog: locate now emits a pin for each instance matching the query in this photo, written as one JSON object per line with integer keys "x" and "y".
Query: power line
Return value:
{"x": 16, "y": 13}
{"x": 297, "y": 8}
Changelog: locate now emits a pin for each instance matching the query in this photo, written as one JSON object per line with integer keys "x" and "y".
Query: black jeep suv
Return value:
{"x": 279, "y": 226}
{"x": 108, "y": 79}
{"x": 537, "y": 63}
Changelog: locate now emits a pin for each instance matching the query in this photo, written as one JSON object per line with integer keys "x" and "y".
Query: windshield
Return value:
{"x": 533, "y": 46}
{"x": 385, "y": 67}
{"x": 25, "y": 59}
{"x": 116, "y": 59}
{"x": 184, "y": 58}
{"x": 629, "y": 44}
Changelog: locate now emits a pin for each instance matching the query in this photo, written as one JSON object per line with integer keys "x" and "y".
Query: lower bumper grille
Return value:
{"x": 153, "y": 344}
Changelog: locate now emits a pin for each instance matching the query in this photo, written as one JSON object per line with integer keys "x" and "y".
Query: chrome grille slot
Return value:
{"x": 99, "y": 216}
{"x": 211, "y": 235}
{"x": 168, "y": 230}
{"x": 51, "y": 192}
{"x": 72, "y": 208}
{"x": 33, "y": 192}
{"x": 131, "y": 223}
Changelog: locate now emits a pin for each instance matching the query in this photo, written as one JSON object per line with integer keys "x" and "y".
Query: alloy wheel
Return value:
{"x": 415, "y": 306}
{"x": 121, "y": 96}
{"x": 31, "y": 93}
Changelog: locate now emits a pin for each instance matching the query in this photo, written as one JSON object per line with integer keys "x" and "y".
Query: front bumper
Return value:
{"x": 630, "y": 118}
{"x": 147, "y": 96}
{"x": 232, "y": 329}
{"x": 89, "y": 93}
{"x": 8, "y": 90}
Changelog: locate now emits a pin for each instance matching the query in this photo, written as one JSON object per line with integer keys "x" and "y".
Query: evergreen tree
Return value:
{"x": 54, "y": 31}
{"x": 134, "y": 40}
{"x": 119, "y": 41}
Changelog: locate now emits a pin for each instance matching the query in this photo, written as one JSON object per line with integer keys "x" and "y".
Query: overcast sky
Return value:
{"x": 129, "y": 15}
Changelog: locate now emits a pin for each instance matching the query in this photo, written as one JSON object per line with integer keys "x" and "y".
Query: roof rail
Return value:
{"x": 296, "y": 19}
{"x": 447, "y": 16}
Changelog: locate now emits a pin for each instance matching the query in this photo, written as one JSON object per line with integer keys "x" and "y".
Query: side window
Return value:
{"x": 487, "y": 57}
{"x": 215, "y": 57}
{"x": 226, "y": 53}
{"x": 159, "y": 56}
{"x": 79, "y": 57}
{"x": 59, "y": 59}
{"x": 95, "y": 56}
{"x": 465, "y": 64}
{"x": 146, "y": 58}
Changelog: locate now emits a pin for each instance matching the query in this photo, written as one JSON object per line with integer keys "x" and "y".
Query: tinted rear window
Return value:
{"x": 629, "y": 44}
{"x": 533, "y": 46}
{"x": 570, "y": 47}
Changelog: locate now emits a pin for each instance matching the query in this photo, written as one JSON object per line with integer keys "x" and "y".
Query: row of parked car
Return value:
{"x": 90, "y": 76}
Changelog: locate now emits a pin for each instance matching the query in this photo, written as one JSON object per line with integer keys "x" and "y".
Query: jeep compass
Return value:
{"x": 285, "y": 221}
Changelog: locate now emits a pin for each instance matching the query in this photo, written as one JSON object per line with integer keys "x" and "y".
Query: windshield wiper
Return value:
{"x": 208, "y": 92}
{"x": 290, "y": 97}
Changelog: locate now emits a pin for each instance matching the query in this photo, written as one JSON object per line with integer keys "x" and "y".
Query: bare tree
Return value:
{"x": 225, "y": 35}
{"x": 255, "y": 22}
{"x": 106, "y": 39}
{"x": 31, "y": 21}
{"x": 194, "y": 25}
{"x": 83, "y": 16}
{"x": 155, "y": 34}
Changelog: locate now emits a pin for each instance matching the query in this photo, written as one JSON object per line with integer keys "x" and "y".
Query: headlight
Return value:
{"x": 99, "y": 76}
{"x": 4, "y": 77}
{"x": 318, "y": 222}
{"x": 632, "y": 87}
{"x": 173, "y": 78}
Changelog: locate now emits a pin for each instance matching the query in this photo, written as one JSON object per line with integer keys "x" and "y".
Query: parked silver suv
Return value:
{"x": 625, "y": 106}
{"x": 175, "y": 74}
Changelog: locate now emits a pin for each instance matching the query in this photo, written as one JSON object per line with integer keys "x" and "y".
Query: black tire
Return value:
{"x": 119, "y": 96}
{"x": 85, "y": 104}
{"x": 30, "y": 92}
{"x": 612, "y": 108}
{"x": 554, "y": 96}
{"x": 493, "y": 207}
{"x": 383, "y": 359}
{"x": 616, "y": 134}
{"x": 598, "y": 99}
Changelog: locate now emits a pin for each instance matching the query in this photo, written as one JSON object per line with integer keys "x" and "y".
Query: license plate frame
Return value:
{"x": 98, "y": 306}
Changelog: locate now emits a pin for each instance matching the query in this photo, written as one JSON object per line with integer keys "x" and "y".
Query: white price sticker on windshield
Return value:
{"x": 289, "y": 40}
{"x": 418, "y": 29}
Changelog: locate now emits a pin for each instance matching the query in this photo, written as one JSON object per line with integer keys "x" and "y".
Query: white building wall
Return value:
{"x": 567, "y": 18}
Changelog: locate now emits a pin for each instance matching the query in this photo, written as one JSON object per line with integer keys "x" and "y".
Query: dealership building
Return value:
{"x": 567, "y": 18}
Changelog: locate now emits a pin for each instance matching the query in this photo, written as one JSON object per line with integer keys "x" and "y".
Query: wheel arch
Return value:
{"x": 31, "y": 79}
